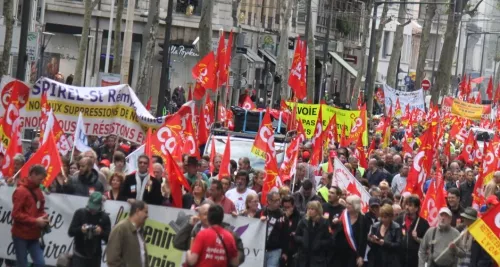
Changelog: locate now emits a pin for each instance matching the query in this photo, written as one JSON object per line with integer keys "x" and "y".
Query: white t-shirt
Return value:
{"x": 239, "y": 199}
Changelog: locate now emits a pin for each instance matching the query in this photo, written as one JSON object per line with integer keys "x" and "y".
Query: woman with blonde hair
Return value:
{"x": 351, "y": 234}
{"x": 313, "y": 238}
{"x": 385, "y": 240}
{"x": 195, "y": 198}
{"x": 251, "y": 205}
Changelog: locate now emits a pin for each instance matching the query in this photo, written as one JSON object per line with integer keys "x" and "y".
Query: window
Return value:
{"x": 301, "y": 7}
{"x": 249, "y": 15}
{"x": 269, "y": 22}
{"x": 385, "y": 44}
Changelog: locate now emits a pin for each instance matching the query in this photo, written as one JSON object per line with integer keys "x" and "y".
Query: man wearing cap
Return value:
{"x": 192, "y": 173}
{"x": 464, "y": 244}
{"x": 373, "y": 210}
{"x": 438, "y": 241}
{"x": 89, "y": 227}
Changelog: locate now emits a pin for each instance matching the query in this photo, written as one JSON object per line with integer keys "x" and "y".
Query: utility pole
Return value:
{"x": 23, "y": 39}
{"x": 481, "y": 67}
{"x": 165, "y": 64}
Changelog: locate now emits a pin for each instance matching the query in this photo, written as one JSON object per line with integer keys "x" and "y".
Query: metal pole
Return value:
{"x": 325, "y": 50}
{"x": 23, "y": 39}
{"x": 435, "y": 51}
{"x": 465, "y": 53}
{"x": 110, "y": 34}
{"x": 165, "y": 66}
{"x": 308, "y": 20}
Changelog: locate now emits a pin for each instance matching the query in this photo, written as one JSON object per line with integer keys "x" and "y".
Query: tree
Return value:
{"x": 450, "y": 38}
{"x": 311, "y": 62}
{"x": 362, "y": 58}
{"x": 424, "y": 43}
{"x": 282, "y": 68}
{"x": 117, "y": 53}
{"x": 378, "y": 44}
{"x": 148, "y": 51}
{"x": 392, "y": 69}
{"x": 82, "y": 48}
{"x": 9, "y": 29}
{"x": 205, "y": 27}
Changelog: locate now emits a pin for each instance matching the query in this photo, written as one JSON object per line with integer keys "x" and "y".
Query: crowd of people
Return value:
{"x": 308, "y": 223}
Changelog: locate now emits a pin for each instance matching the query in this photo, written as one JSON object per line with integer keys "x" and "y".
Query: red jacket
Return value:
{"x": 25, "y": 210}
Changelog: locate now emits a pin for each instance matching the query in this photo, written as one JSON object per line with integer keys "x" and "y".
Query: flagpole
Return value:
{"x": 454, "y": 241}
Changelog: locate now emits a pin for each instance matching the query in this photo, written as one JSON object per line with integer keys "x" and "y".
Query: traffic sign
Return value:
{"x": 426, "y": 84}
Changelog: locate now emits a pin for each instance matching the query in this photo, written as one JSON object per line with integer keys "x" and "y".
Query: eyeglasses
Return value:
{"x": 143, "y": 163}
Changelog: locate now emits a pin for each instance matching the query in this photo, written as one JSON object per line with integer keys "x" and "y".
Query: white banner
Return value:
{"x": 106, "y": 110}
{"x": 163, "y": 224}
{"x": 343, "y": 178}
{"x": 414, "y": 99}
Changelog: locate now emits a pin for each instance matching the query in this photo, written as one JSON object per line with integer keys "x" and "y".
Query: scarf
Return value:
{"x": 141, "y": 180}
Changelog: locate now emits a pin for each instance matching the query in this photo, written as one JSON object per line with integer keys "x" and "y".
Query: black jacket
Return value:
{"x": 277, "y": 229}
{"x": 466, "y": 191}
{"x": 153, "y": 197}
{"x": 293, "y": 222}
{"x": 409, "y": 246}
{"x": 344, "y": 255}
{"x": 89, "y": 248}
{"x": 84, "y": 185}
{"x": 188, "y": 201}
{"x": 182, "y": 240}
{"x": 386, "y": 255}
{"x": 313, "y": 243}
{"x": 479, "y": 256}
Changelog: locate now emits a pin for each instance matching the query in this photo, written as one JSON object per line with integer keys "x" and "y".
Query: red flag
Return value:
{"x": 44, "y": 108}
{"x": 486, "y": 171}
{"x": 168, "y": 139}
{"x": 230, "y": 119}
{"x": 14, "y": 148}
{"x": 199, "y": 91}
{"x": 248, "y": 103}
{"x": 177, "y": 181}
{"x": 148, "y": 150}
{"x": 398, "y": 112}
{"x": 405, "y": 120}
{"x": 497, "y": 94}
{"x": 225, "y": 165}
{"x": 317, "y": 140}
{"x": 434, "y": 199}
{"x": 343, "y": 139}
{"x": 220, "y": 64}
{"x": 48, "y": 156}
{"x": 360, "y": 100}
{"x": 489, "y": 90}
{"x": 148, "y": 104}
{"x": 190, "y": 146}
{"x": 205, "y": 121}
{"x": 478, "y": 99}
{"x": 272, "y": 181}
{"x": 224, "y": 75}
{"x": 297, "y": 78}
{"x": 467, "y": 151}
{"x": 358, "y": 128}
{"x": 421, "y": 164}
{"x": 486, "y": 231}
{"x": 204, "y": 72}
{"x": 331, "y": 131}
{"x": 264, "y": 135}
{"x": 288, "y": 166}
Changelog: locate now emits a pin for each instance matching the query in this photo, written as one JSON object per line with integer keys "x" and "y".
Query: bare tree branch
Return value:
{"x": 474, "y": 10}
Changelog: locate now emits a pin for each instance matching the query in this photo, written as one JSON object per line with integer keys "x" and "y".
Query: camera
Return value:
{"x": 90, "y": 230}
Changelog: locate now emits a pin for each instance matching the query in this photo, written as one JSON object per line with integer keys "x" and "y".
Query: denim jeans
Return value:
{"x": 23, "y": 247}
{"x": 272, "y": 258}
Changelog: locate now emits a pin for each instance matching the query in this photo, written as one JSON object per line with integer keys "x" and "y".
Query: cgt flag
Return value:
{"x": 486, "y": 231}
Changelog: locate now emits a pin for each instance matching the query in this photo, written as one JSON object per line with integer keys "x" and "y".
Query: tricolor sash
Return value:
{"x": 349, "y": 235}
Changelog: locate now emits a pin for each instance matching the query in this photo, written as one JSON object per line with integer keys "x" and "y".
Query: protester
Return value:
{"x": 116, "y": 181}
{"x": 399, "y": 180}
{"x": 213, "y": 246}
{"x": 413, "y": 228}
{"x": 350, "y": 254}
{"x": 158, "y": 171}
{"x": 493, "y": 185}
{"x": 119, "y": 163}
{"x": 35, "y": 144}
{"x": 466, "y": 188}
{"x": 217, "y": 196}
{"x": 293, "y": 216}
{"x": 332, "y": 209}
{"x": 436, "y": 242}
{"x": 244, "y": 165}
{"x": 86, "y": 181}
{"x": 239, "y": 194}
{"x": 196, "y": 197}
{"x": 312, "y": 237}
{"x": 141, "y": 186}
{"x": 277, "y": 230}
{"x": 251, "y": 205}
{"x": 385, "y": 240}
{"x": 463, "y": 246}
{"x": 455, "y": 207}
{"x": 192, "y": 174}
{"x": 92, "y": 155}
{"x": 304, "y": 196}
{"x": 258, "y": 180}
{"x": 126, "y": 246}
{"x": 30, "y": 222}
{"x": 89, "y": 227}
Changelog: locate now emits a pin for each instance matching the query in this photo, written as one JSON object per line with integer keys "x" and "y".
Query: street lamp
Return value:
{"x": 46, "y": 36}
{"x": 86, "y": 56}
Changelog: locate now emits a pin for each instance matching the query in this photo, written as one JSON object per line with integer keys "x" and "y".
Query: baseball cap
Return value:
{"x": 445, "y": 210}
{"x": 105, "y": 163}
{"x": 305, "y": 155}
{"x": 95, "y": 201}
{"x": 374, "y": 201}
